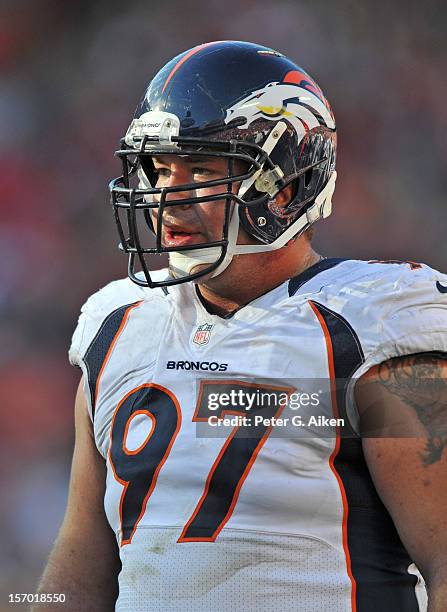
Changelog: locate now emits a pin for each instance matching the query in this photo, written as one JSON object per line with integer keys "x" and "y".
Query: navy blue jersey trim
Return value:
{"x": 350, "y": 353}
{"x": 379, "y": 560}
{"x": 297, "y": 282}
{"x": 99, "y": 346}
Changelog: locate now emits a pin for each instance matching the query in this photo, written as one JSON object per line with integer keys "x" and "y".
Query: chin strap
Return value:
{"x": 183, "y": 265}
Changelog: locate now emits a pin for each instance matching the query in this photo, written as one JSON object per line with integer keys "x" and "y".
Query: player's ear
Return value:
{"x": 284, "y": 196}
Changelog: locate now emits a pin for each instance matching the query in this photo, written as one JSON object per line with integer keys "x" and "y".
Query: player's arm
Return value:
{"x": 84, "y": 562}
{"x": 410, "y": 472}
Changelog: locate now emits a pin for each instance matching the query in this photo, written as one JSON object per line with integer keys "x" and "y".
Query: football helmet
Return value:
{"x": 238, "y": 101}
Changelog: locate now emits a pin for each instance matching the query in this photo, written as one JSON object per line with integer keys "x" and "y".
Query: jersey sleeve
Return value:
{"x": 410, "y": 319}
{"x": 99, "y": 319}
{"x": 415, "y": 320}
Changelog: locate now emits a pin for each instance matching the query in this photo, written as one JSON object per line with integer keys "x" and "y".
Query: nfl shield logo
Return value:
{"x": 202, "y": 334}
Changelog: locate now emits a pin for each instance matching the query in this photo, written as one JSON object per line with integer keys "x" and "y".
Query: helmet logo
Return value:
{"x": 302, "y": 108}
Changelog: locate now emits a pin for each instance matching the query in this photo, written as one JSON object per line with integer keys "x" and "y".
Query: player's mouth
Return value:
{"x": 174, "y": 236}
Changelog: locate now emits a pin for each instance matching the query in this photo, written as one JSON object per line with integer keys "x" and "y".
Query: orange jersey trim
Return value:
{"x": 330, "y": 354}
{"x": 126, "y": 431}
{"x": 112, "y": 345}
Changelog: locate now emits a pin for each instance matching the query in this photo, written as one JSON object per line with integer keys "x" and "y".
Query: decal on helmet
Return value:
{"x": 302, "y": 79}
{"x": 298, "y": 105}
{"x": 270, "y": 52}
{"x": 186, "y": 57}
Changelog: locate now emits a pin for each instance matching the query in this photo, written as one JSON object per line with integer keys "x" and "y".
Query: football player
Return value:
{"x": 226, "y": 166}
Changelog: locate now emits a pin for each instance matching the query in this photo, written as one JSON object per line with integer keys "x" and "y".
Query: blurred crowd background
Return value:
{"x": 71, "y": 76}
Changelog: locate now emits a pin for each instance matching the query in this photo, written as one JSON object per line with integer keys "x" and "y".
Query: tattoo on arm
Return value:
{"x": 420, "y": 381}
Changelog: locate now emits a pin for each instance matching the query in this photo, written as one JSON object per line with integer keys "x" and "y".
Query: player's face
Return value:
{"x": 189, "y": 224}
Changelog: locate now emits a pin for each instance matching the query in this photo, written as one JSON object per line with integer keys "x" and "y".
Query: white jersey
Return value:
{"x": 208, "y": 518}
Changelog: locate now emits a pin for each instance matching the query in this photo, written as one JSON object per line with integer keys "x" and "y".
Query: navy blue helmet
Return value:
{"x": 237, "y": 101}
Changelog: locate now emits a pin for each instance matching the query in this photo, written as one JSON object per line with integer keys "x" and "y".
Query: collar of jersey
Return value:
{"x": 304, "y": 277}
{"x": 258, "y": 306}
{"x": 250, "y": 310}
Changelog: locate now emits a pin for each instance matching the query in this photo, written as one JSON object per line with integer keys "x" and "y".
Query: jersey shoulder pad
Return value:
{"x": 106, "y": 305}
{"x": 395, "y": 309}
{"x": 400, "y": 308}
{"x": 415, "y": 319}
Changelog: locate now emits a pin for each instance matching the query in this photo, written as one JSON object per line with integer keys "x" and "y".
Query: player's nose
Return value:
{"x": 181, "y": 177}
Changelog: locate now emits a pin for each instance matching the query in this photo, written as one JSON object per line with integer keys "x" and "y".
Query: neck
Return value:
{"x": 229, "y": 293}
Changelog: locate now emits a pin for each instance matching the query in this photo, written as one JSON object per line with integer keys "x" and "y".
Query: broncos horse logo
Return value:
{"x": 296, "y": 99}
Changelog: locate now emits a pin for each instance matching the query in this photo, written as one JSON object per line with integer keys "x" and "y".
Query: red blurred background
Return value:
{"x": 71, "y": 76}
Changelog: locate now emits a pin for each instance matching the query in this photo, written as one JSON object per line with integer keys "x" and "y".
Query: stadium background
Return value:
{"x": 71, "y": 75}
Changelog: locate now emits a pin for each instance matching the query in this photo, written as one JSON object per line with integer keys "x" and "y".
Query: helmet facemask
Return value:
{"x": 136, "y": 197}
{"x": 271, "y": 115}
